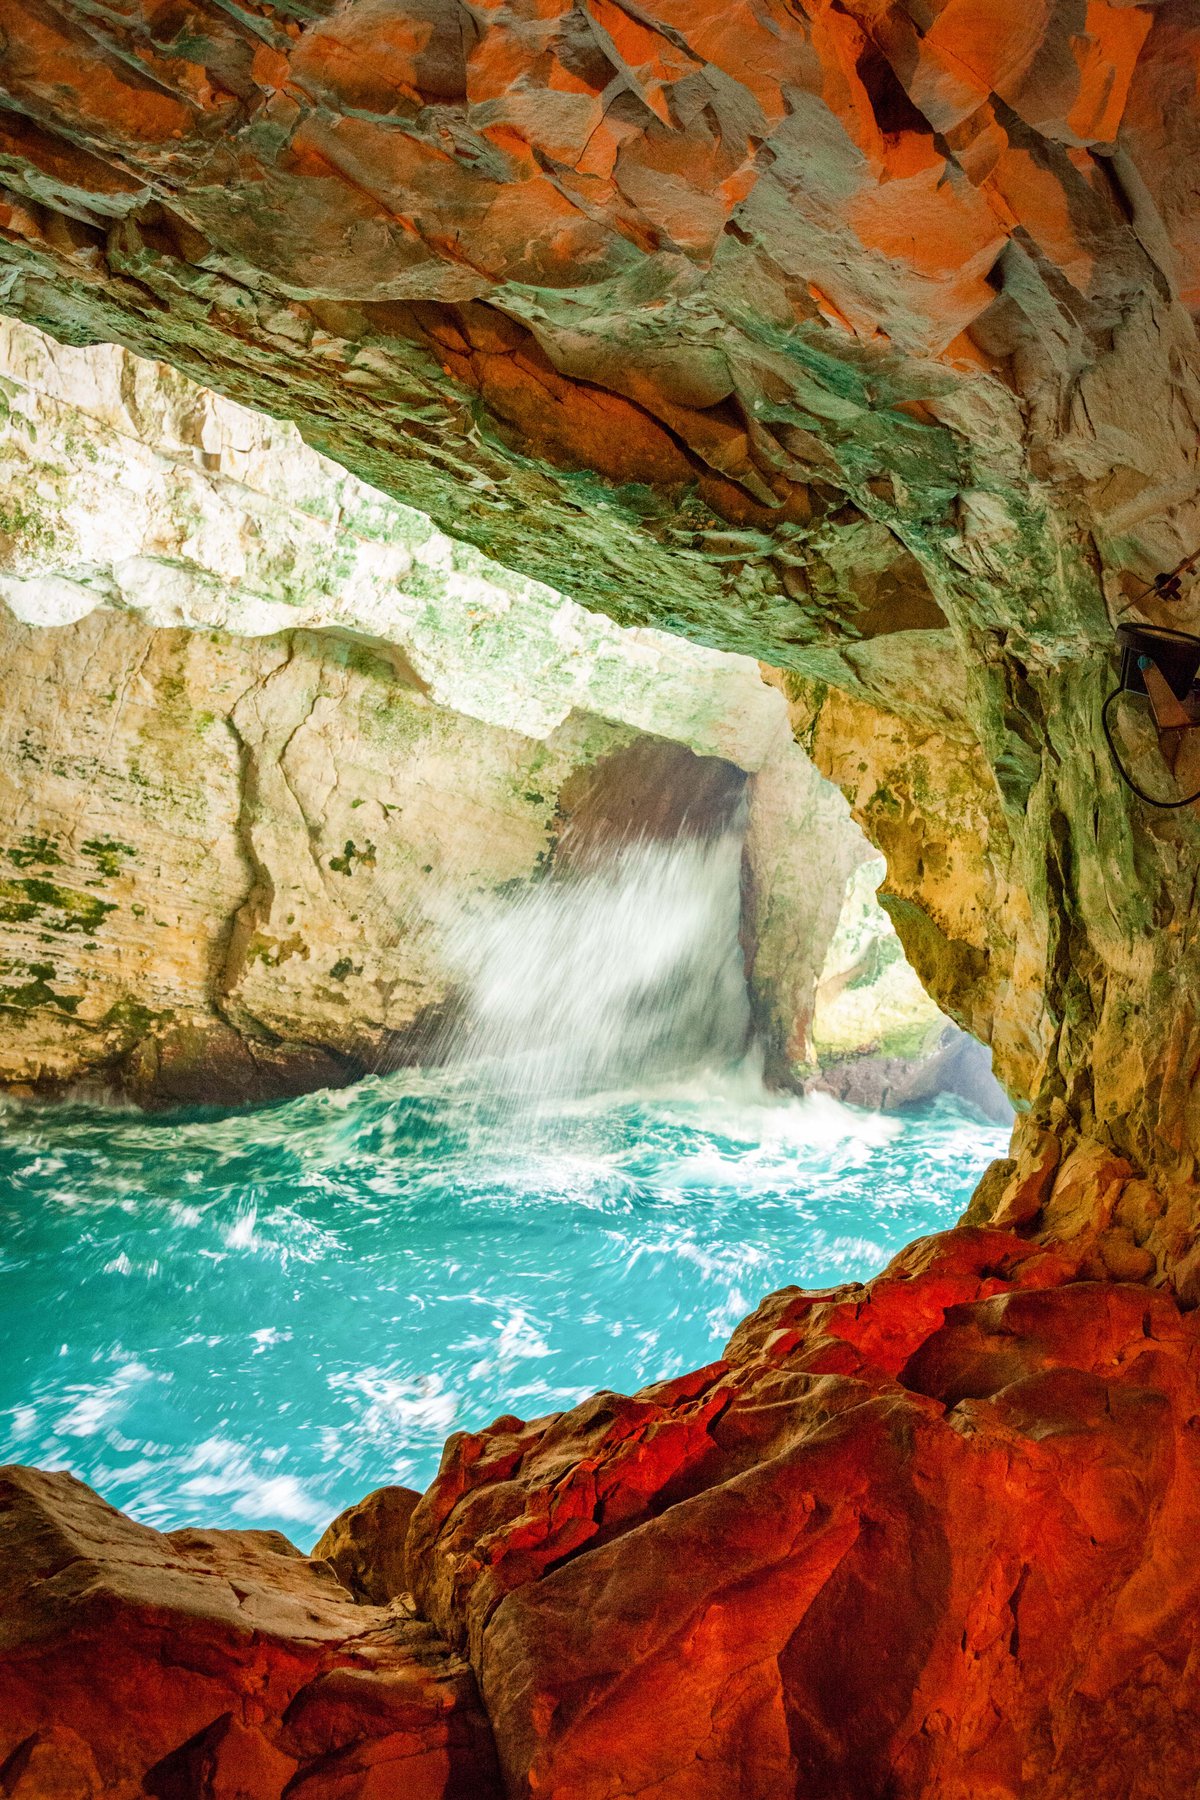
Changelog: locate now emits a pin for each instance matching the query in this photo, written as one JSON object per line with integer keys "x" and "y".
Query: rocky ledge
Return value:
{"x": 929, "y": 1536}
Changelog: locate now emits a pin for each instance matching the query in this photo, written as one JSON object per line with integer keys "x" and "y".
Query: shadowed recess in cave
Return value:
{"x": 254, "y": 1318}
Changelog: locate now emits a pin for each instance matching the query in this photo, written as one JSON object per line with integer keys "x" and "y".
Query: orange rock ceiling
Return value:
{"x": 517, "y": 193}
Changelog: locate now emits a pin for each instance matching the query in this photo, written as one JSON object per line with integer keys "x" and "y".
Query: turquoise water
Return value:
{"x": 253, "y": 1319}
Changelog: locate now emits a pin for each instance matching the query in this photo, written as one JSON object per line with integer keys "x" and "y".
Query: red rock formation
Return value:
{"x": 926, "y": 1537}
{"x": 364, "y": 1546}
{"x": 212, "y": 1665}
{"x": 929, "y": 1537}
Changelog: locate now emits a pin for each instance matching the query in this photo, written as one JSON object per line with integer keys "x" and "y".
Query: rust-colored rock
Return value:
{"x": 364, "y": 1546}
{"x": 932, "y": 1536}
{"x": 212, "y": 1665}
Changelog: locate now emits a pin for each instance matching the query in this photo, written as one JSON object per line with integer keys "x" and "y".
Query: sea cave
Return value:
{"x": 599, "y": 900}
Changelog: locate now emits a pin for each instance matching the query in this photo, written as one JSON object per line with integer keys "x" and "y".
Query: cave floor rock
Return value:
{"x": 930, "y": 1535}
{"x": 212, "y": 1663}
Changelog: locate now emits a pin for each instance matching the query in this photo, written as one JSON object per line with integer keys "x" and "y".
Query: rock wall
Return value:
{"x": 137, "y": 1663}
{"x": 227, "y": 872}
{"x": 858, "y": 338}
{"x": 127, "y": 486}
{"x": 266, "y": 731}
{"x": 861, "y": 339}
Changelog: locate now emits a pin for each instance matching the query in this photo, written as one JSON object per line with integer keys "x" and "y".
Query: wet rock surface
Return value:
{"x": 364, "y": 1546}
{"x": 228, "y": 875}
{"x": 861, "y": 339}
{"x": 929, "y": 1535}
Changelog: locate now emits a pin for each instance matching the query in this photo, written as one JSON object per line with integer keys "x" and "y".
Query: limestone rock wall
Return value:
{"x": 127, "y": 486}
{"x": 227, "y": 862}
{"x": 799, "y": 862}
{"x": 266, "y": 731}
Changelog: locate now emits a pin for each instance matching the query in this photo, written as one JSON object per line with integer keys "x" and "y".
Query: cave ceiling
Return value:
{"x": 853, "y": 335}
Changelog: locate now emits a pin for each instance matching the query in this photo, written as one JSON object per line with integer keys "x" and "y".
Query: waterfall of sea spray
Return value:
{"x": 625, "y": 972}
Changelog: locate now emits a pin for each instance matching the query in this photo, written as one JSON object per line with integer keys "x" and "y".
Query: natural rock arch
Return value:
{"x": 856, "y": 336}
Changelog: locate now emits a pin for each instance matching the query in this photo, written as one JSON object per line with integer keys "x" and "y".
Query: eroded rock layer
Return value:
{"x": 229, "y": 873}
{"x": 859, "y": 337}
{"x": 925, "y": 1537}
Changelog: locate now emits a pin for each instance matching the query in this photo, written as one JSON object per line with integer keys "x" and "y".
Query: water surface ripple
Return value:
{"x": 253, "y": 1319}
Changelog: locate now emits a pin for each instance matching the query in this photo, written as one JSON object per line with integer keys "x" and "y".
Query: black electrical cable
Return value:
{"x": 1163, "y": 587}
{"x": 1163, "y": 805}
{"x": 1166, "y": 585}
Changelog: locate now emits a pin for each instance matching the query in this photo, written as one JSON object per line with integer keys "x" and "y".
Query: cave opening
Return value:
{"x": 406, "y": 1068}
{"x": 807, "y": 390}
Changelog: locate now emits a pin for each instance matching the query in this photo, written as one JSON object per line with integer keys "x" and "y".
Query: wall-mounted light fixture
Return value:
{"x": 1163, "y": 666}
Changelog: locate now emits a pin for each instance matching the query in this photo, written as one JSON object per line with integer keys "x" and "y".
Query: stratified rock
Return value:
{"x": 929, "y": 1536}
{"x": 364, "y": 1545}
{"x": 212, "y": 1665}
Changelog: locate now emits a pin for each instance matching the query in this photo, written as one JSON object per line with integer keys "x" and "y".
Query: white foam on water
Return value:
{"x": 609, "y": 978}
{"x": 223, "y": 1468}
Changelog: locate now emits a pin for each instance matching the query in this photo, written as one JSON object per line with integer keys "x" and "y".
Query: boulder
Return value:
{"x": 929, "y": 1536}
{"x": 212, "y": 1665}
{"x": 364, "y": 1546}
